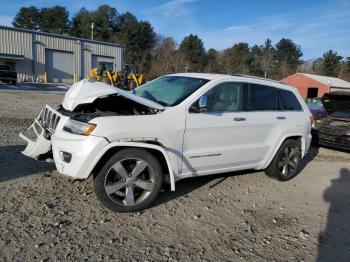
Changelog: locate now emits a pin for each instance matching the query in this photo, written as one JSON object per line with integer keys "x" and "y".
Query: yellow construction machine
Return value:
{"x": 128, "y": 78}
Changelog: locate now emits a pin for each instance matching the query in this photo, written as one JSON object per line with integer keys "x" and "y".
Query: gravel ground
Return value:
{"x": 237, "y": 216}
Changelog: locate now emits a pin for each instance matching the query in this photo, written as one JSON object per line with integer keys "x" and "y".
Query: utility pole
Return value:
{"x": 92, "y": 31}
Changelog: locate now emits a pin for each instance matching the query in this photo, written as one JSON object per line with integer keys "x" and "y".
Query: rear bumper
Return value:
{"x": 307, "y": 143}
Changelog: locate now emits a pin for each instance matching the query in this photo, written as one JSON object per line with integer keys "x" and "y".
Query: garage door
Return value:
{"x": 59, "y": 66}
{"x": 99, "y": 61}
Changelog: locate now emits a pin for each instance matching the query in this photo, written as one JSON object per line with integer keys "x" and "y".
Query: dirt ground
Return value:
{"x": 232, "y": 217}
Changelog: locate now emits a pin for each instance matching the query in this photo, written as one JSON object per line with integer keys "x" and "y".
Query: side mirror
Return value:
{"x": 200, "y": 105}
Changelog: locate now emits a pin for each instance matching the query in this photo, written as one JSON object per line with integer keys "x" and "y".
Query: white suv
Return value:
{"x": 174, "y": 127}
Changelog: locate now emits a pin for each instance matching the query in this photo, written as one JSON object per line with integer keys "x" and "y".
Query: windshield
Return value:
{"x": 170, "y": 90}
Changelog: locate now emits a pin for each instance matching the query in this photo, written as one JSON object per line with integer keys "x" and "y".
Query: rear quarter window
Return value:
{"x": 288, "y": 100}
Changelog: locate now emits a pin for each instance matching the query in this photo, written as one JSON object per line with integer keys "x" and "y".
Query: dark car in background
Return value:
{"x": 334, "y": 130}
{"x": 316, "y": 107}
{"x": 7, "y": 75}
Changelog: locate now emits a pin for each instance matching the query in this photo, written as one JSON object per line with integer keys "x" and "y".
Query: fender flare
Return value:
{"x": 284, "y": 138}
{"x": 139, "y": 145}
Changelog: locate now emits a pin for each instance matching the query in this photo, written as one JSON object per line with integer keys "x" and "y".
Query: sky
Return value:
{"x": 315, "y": 25}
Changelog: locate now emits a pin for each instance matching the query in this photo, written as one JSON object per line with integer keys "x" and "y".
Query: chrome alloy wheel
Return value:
{"x": 289, "y": 160}
{"x": 129, "y": 181}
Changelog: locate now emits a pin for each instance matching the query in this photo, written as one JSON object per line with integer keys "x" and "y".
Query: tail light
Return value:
{"x": 312, "y": 120}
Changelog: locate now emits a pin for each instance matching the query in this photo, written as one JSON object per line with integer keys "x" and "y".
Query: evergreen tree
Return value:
{"x": 104, "y": 18}
{"x": 345, "y": 71}
{"x": 81, "y": 24}
{"x": 331, "y": 63}
{"x": 193, "y": 49}
{"x": 27, "y": 18}
{"x": 256, "y": 60}
{"x": 237, "y": 59}
{"x": 287, "y": 58}
{"x": 213, "y": 63}
{"x": 54, "y": 20}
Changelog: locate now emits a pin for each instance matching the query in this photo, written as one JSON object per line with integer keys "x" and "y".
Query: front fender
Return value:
{"x": 134, "y": 144}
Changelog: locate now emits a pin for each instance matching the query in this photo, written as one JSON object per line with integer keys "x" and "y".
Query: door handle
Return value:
{"x": 239, "y": 119}
{"x": 281, "y": 118}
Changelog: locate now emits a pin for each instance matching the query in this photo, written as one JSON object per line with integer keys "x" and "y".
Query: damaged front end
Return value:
{"x": 83, "y": 102}
{"x": 38, "y": 135}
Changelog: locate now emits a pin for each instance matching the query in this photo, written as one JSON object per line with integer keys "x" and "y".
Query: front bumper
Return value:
{"x": 73, "y": 154}
{"x": 82, "y": 150}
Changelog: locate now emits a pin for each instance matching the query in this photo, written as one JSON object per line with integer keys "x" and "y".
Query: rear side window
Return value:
{"x": 262, "y": 98}
{"x": 288, "y": 100}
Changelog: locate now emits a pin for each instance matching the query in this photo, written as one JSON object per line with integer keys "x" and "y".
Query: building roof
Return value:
{"x": 329, "y": 81}
{"x": 61, "y": 36}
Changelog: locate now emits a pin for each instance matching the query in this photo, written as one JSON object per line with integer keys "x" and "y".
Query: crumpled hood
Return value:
{"x": 86, "y": 91}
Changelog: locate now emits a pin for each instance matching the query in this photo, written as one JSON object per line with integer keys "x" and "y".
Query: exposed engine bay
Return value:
{"x": 111, "y": 105}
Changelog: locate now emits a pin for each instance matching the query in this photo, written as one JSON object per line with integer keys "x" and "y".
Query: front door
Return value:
{"x": 215, "y": 139}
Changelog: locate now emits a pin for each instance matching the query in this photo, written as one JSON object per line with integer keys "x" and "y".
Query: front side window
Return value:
{"x": 288, "y": 100}
{"x": 170, "y": 90}
{"x": 225, "y": 97}
{"x": 262, "y": 98}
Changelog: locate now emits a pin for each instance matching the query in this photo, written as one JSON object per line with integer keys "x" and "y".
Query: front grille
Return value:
{"x": 49, "y": 119}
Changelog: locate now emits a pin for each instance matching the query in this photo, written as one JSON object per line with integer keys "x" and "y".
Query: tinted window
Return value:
{"x": 288, "y": 100}
{"x": 225, "y": 97}
{"x": 262, "y": 98}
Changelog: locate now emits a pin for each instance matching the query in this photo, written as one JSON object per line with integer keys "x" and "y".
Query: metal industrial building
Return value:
{"x": 37, "y": 56}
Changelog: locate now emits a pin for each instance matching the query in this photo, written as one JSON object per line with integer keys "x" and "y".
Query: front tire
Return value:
{"x": 285, "y": 164}
{"x": 130, "y": 181}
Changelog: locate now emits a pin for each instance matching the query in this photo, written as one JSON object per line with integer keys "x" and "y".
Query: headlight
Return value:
{"x": 79, "y": 128}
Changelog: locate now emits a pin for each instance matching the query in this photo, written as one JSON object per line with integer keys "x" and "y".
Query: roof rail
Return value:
{"x": 256, "y": 77}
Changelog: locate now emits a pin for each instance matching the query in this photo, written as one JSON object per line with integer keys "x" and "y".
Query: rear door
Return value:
{"x": 215, "y": 139}
{"x": 297, "y": 121}
{"x": 265, "y": 123}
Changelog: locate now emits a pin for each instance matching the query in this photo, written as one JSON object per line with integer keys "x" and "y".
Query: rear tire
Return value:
{"x": 130, "y": 181}
{"x": 285, "y": 165}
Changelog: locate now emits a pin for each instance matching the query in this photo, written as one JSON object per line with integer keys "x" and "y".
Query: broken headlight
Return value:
{"x": 79, "y": 128}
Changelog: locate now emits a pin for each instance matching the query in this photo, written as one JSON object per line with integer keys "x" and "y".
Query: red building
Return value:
{"x": 310, "y": 86}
